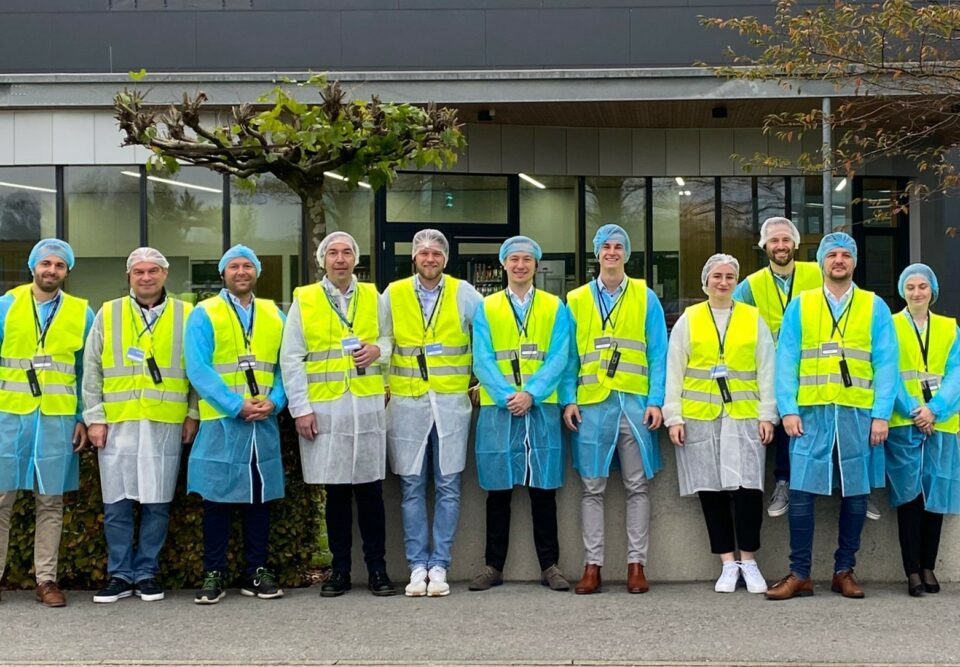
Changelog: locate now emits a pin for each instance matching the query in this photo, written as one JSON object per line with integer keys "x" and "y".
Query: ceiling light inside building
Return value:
{"x": 20, "y": 186}
{"x": 532, "y": 181}
{"x": 169, "y": 181}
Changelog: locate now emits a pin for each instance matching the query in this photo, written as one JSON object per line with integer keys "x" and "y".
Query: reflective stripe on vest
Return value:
{"x": 627, "y": 331}
{"x": 447, "y": 372}
{"x": 129, "y": 392}
{"x": 64, "y": 339}
{"x": 228, "y": 346}
{"x": 700, "y": 398}
{"x": 943, "y": 334}
{"x": 506, "y": 339}
{"x": 765, "y": 289}
{"x": 820, "y": 378}
{"x": 330, "y": 372}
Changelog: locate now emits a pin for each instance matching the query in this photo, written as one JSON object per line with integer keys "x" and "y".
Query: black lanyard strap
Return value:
{"x": 721, "y": 339}
{"x": 351, "y": 317}
{"x": 924, "y": 345}
{"x": 776, "y": 288}
{"x": 42, "y": 330}
{"x": 148, "y": 326}
{"x": 428, "y": 321}
{"x": 607, "y": 315}
{"x": 845, "y": 314}
{"x": 248, "y": 332}
{"x": 521, "y": 322}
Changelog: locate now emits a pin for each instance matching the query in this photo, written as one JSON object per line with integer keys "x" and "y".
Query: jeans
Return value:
{"x": 781, "y": 446}
{"x": 217, "y": 518}
{"x": 446, "y": 511}
{"x": 853, "y": 514}
{"x": 134, "y": 563}
{"x": 370, "y": 517}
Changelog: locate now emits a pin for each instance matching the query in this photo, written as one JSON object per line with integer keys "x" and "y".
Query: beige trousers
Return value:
{"x": 46, "y": 538}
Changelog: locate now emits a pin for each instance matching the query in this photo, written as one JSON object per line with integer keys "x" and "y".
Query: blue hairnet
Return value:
{"x": 520, "y": 244}
{"x": 919, "y": 270}
{"x": 47, "y": 247}
{"x": 836, "y": 240}
{"x": 611, "y": 233}
{"x": 236, "y": 251}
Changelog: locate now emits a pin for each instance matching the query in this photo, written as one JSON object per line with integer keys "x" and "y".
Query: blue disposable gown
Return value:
{"x": 830, "y": 427}
{"x": 927, "y": 463}
{"x": 219, "y": 465}
{"x": 595, "y": 442}
{"x": 36, "y": 450}
{"x": 514, "y": 451}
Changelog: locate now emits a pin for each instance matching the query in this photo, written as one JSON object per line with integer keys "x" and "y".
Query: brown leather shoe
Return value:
{"x": 791, "y": 586}
{"x": 590, "y": 582}
{"x": 49, "y": 594}
{"x": 636, "y": 580}
{"x": 846, "y": 584}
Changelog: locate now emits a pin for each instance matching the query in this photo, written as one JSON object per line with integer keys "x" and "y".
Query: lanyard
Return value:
{"x": 428, "y": 321}
{"x": 776, "y": 288}
{"x": 42, "y": 330}
{"x": 248, "y": 332}
{"x": 353, "y": 309}
{"x": 521, "y": 322}
{"x": 148, "y": 326}
{"x": 607, "y": 315}
{"x": 723, "y": 338}
{"x": 924, "y": 346}
{"x": 836, "y": 320}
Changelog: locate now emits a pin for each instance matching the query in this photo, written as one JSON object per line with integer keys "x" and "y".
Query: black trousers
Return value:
{"x": 733, "y": 518}
{"x": 919, "y": 536}
{"x": 543, "y": 508}
{"x": 370, "y": 517}
{"x": 217, "y": 518}
{"x": 781, "y": 461}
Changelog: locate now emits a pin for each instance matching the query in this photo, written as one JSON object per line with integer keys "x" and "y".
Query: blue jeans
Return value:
{"x": 853, "y": 514}
{"x": 446, "y": 511}
{"x": 134, "y": 563}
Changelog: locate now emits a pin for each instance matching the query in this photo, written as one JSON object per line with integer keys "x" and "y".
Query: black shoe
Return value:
{"x": 262, "y": 585}
{"x": 115, "y": 589}
{"x": 211, "y": 592}
{"x": 148, "y": 590}
{"x": 930, "y": 583}
{"x": 379, "y": 584}
{"x": 915, "y": 585}
{"x": 337, "y": 584}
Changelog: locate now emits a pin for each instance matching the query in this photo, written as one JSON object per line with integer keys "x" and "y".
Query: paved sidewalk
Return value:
{"x": 518, "y": 623}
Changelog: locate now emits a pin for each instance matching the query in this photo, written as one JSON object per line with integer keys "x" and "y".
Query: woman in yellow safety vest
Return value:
{"x": 720, "y": 409}
{"x": 923, "y": 464}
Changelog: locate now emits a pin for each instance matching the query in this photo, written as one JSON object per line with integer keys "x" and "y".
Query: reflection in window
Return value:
{"x": 807, "y": 211}
{"x": 683, "y": 239}
{"x": 884, "y": 203}
{"x": 27, "y": 214}
{"x": 266, "y": 217}
{"x": 548, "y": 214}
{"x": 619, "y": 201}
{"x": 454, "y": 198}
{"x": 351, "y": 211}
{"x": 102, "y": 219}
{"x": 185, "y": 223}
{"x": 744, "y": 204}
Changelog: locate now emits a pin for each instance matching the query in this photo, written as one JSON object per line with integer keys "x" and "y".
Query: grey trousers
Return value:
{"x": 635, "y": 484}
{"x": 46, "y": 537}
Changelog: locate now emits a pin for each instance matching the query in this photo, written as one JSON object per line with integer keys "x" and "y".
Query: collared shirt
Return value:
{"x": 837, "y": 304}
{"x": 244, "y": 312}
{"x": 610, "y": 297}
{"x": 340, "y": 299}
{"x": 783, "y": 282}
{"x": 152, "y": 314}
{"x": 46, "y": 308}
{"x": 427, "y": 297}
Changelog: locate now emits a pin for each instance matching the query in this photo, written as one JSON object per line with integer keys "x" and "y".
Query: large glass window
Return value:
{"x": 744, "y": 204}
{"x": 350, "y": 211}
{"x": 548, "y": 213}
{"x": 684, "y": 237}
{"x": 102, "y": 220}
{"x": 185, "y": 223}
{"x": 807, "y": 211}
{"x": 28, "y": 205}
{"x": 620, "y": 201}
{"x": 266, "y": 217}
{"x": 454, "y": 198}
{"x": 884, "y": 203}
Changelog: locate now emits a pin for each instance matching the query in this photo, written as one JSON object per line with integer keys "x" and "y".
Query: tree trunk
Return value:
{"x": 313, "y": 220}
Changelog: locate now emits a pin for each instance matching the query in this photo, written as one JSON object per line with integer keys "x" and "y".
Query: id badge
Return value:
{"x": 433, "y": 349}
{"x": 830, "y": 349}
{"x": 42, "y": 361}
{"x": 528, "y": 349}
{"x": 247, "y": 362}
{"x": 602, "y": 343}
{"x": 136, "y": 355}
{"x": 351, "y": 344}
{"x": 719, "y": 371}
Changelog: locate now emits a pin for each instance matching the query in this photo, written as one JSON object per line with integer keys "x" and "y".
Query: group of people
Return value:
{"x": 795, "y": 354}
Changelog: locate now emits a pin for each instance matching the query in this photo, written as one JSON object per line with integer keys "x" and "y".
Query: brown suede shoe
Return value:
{"x": 636, "y": 580}
{"x": 50, "y": 595}
{"x": 791, "y": 586}
{"x": 590, "y": 582}
{"x": 846, "y": 584}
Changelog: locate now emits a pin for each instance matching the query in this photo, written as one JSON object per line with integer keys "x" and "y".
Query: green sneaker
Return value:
{"x": 262, "y": 585}
{"x": 211, "y": 592}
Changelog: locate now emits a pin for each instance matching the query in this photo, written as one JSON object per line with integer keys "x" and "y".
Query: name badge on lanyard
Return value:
{"x": 830, "y": 349}
{"x": 528, "y": 350}
{"x": 602, "y": 343}
{"x": 433, "y": 349}
{"x": 719, "y": 371}
{"x": 136, "y": 355}
{"x": 42, "y": 361}
{"x": 350, "y": 344}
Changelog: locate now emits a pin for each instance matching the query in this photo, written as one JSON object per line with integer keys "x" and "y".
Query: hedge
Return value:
{"x": 297, "y": 530}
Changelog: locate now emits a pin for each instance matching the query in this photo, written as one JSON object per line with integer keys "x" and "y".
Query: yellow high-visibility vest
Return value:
{"x": 511, "y": 343}
{"x": 942, "y": 334}
{"x": 444, "y": 344}
{"x": 701, "y": 397}
{"x": 820, "y": 378}
{"x": 625, "y": 333}
{"x": 129, "y": 392}
{"x": 330, "y": 370}
{"x": 770, "y": 298}
{"x": 229, "y": 346}
{"x": 21, "y": 343}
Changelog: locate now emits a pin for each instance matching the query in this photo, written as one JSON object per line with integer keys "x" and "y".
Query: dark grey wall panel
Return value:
{"x": 26, "y": 42}
{"x": 273, "y": 5}
{"x": 563, "y": 37}
{"x": 470, "y": 4}
{"x": 37, "y": 6}
{"x": 418, "y": 38}
{"x": 287, "y": 40}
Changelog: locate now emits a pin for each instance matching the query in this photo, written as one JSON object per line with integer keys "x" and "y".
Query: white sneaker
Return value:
{"x": 727, "y": 583}
{"x": 752, "y": 577}
{"x": 873, "y": 513}
{"x": 438, "y": 586}
{"x": 417, "y": 587}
